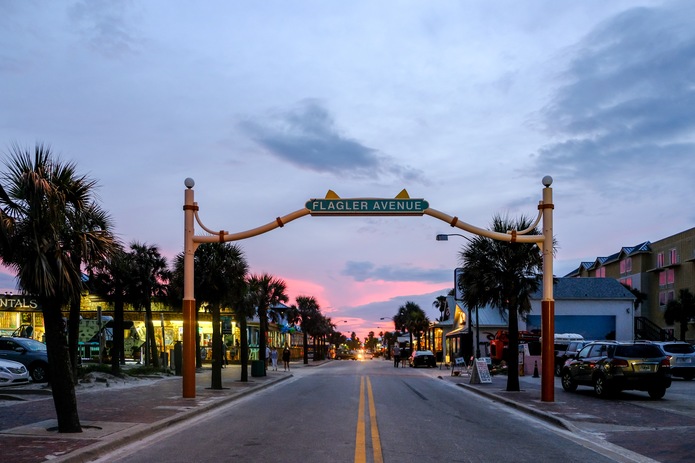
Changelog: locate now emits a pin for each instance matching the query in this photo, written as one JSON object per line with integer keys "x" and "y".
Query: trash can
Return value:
{"x": 257, "y": 368}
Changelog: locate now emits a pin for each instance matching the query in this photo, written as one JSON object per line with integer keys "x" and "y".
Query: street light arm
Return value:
{"x": 455, "y": 222}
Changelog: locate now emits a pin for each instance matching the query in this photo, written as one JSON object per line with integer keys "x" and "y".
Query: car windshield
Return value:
{"x": 30, "y": 344}
{"x": 678, "y": 348}
{"x": 424, "y": 352}
{"x": 638, "y": 351}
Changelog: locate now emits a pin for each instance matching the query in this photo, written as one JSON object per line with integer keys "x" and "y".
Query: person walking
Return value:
{"x": 274, "y": 358}
{"x": 286, "y": 358}
{"x": 396, "y": 355}
{"x": 225, "y": 362}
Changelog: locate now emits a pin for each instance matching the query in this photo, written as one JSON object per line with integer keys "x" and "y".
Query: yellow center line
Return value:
{"x": 360, "y": 438}
{"x": 376, "y": 442}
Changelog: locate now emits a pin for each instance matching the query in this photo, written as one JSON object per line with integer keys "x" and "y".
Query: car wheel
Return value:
{"x": 602, "y": 388}
{"x": 568, "y": 383}
{"x": 657, "y": 392}
{"x": 39, "y": 373}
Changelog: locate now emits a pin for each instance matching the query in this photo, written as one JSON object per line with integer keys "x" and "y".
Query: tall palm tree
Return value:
{"x": 220, "y": 270}
{"x": 268, "y": 292}
{"x": 503, "y": 275}
{"x": 681, "y": 310}
{"x": 308, "y": 310}
{"x": 442, "y": 305}
{"x": 110, "y": 281}
{"x": 416, "y": 322}
{"x": 244, "y": 308}
{"x": 44, "y": 203}
{"x": 150, "y": 279}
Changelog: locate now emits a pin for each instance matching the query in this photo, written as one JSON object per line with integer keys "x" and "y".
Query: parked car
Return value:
{"x": 12, "y": 373}
{"x": 29, "y": 352}
{"x": 565, "y": 351}
{"x": 611, "y": 366}
{"x": 681, "y": 355}
{"x": 423, "y": 358}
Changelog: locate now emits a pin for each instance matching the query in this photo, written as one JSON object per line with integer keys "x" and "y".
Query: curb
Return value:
{"x": 94, "y": 451}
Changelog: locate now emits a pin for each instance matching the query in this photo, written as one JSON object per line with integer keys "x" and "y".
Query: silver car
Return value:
{"x": 12, "y": 373}
{"x": 681, "y": 355}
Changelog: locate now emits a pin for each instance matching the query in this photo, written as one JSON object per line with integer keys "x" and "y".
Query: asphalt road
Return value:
{"x": 363, "y": 412}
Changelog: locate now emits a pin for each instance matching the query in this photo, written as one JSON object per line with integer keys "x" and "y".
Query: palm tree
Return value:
{"x": 44, "y": 203}
{"x": 150, "y": 278}
{"x": 416, "y": 322}
{"x": 268, "y": 292}
{"x": 308, "y": 309}
{"x": 502, "y": 275}
{"x": 220, "y": 269}
{"x": 681, "y": 310}
{"x": 244, "y": 308}
{"x": 442, "y": 305}
{"x": 110, "y": 281}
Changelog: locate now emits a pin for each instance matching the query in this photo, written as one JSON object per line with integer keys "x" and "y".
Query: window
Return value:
{"x": 601, "y": 272}
{"x": 626, "y": 281}
{"x": 673, "y": 256}
{"x": 666, "y": 296}
{"x": 626, "y": 265}
{"x": 667, "y": 277}
{"x": 660, "y": 259}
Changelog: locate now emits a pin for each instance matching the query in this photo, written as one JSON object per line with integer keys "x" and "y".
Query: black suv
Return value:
{"x": 610, "y": 367}
{"x": 564, "y": 351}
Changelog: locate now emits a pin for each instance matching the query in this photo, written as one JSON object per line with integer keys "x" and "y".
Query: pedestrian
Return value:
{"x": 274, "y": 358}
{"x": 286, "y": 358}
{"x": 396, "y": 355}
{"x": 267, "y": 356}
{"x": 225, "y": 362}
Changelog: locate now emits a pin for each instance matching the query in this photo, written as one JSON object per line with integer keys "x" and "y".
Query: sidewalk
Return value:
{"x": 111, "y": 420}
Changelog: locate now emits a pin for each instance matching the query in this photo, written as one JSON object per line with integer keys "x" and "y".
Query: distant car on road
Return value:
{"x": 423, "y": 358}
{"x": 12, "y": 373}
{"x": 29, "y": 352}
{"x": 681, "y": 355}
{"x": 611, "y": 366}
{"x": 346, "y": 355}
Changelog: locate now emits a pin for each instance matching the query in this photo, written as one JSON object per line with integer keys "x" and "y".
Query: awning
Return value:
{"x": 457, "y": 332}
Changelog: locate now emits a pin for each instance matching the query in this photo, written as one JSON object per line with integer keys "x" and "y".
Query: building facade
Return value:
{"x": 659, "y": 269}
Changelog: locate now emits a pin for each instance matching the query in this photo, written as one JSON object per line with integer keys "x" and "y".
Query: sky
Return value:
{"x": 467, "y": 104}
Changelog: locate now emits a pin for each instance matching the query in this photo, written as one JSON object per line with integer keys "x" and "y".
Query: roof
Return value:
{"x": 625, "y": 251}
{"x": 587, "y": 288}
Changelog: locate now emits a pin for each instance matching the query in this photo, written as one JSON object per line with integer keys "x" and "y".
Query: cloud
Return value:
{"x": 307, "y": 137}
{"x": 365, "y": 271}
{"x": 626, "y": 100}
{"x": 106, "y": 27}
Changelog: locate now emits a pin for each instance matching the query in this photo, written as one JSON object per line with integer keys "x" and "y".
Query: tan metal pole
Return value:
{"x": 547, "y": 303}
{"x": 188, "y": 360}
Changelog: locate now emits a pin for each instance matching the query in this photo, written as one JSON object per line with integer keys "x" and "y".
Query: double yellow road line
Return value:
{"x": 361, "y": 437}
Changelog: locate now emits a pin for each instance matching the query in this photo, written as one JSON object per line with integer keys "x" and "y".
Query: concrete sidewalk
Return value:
{"x": 115, "y": 417}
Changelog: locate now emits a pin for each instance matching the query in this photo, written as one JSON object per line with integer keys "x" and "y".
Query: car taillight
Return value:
{"x": 619, "y": 363}
{"x": 665, "y": 363}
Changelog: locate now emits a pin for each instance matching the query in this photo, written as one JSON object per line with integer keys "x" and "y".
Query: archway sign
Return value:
{"x": 401, "y": 205}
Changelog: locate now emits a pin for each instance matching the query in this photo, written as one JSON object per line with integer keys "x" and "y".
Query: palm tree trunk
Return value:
{"x": 216, "y": 350}
{"x": 513, "y": 351}
{"x": 118, "y": 347}
{"x": 62, "y": 385}
{"x": 263, "y": 328}
{"x": 149, "y": 328}
{"x": 74, "y": 336}
{"x": 244, "y": 349}
{"x": 306, "y": 347}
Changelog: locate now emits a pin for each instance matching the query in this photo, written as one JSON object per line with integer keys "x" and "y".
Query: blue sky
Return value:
{"x": 467, "y": 104}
